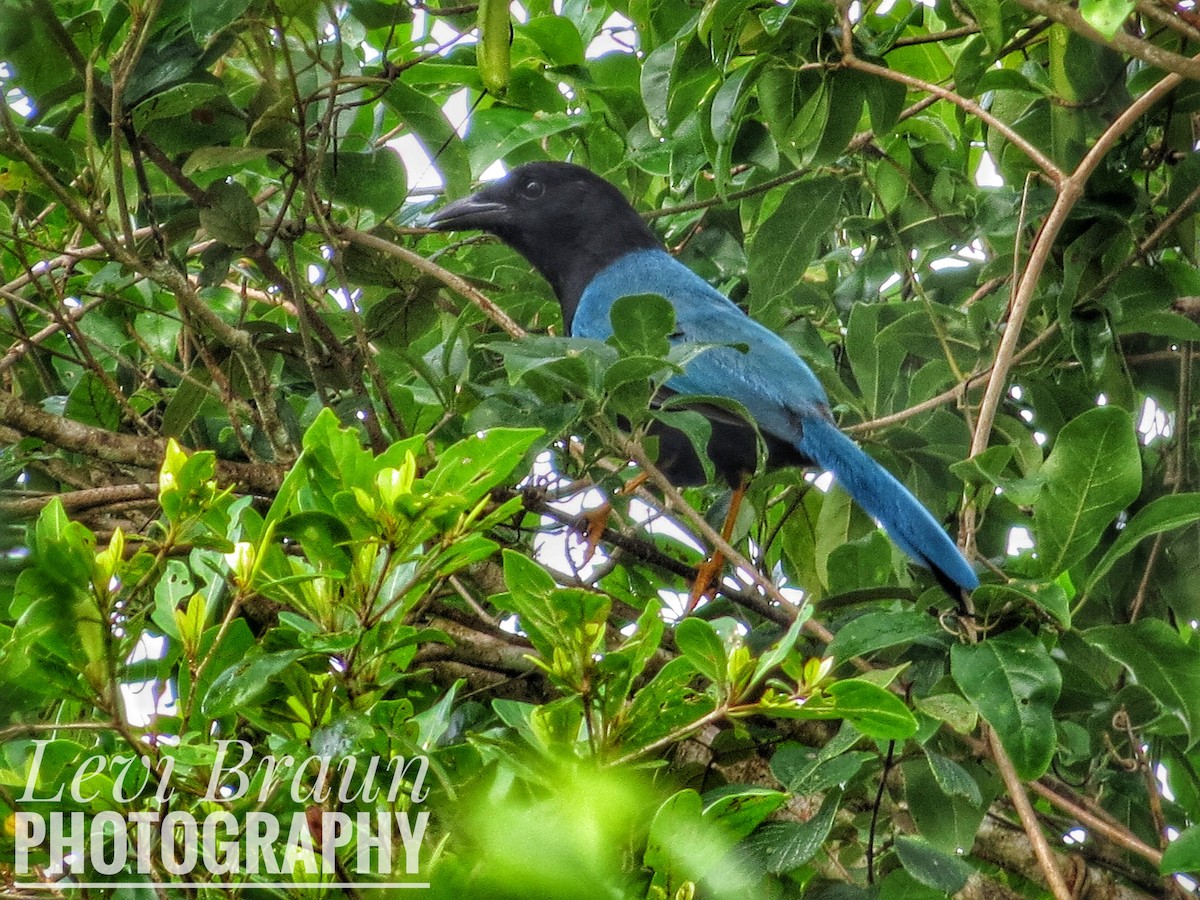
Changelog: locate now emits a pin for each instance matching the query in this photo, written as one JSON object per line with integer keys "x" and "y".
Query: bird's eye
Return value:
{"x": 532, "y": 190}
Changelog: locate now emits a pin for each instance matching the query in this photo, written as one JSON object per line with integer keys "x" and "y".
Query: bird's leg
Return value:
{"x": 710, "y": 570}
{"x": 597, "y": 519}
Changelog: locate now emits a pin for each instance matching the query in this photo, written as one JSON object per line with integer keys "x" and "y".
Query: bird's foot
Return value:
{"x": 705, "y": 584}
{"x": 595, "y": 522}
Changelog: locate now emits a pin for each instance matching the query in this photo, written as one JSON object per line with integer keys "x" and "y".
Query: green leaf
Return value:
{"x": 952, "y": 778}
{"x": 174, "y": 585}
{"x": 207, "y": 158}
{"x": 228, "y": 214}
{"x": 1014, "y": 684}
{"x": 743, "y": 809}
{"x": 185, "y": 402}
{"x": 375, "y": 179}
{"x": 497, "y": 131}
{"x": 810, "y": 770}
{"x": 847, "y": 93}
{"x": 952, "y": 709}
{"x": 697, "y": 640}
{"x": 665, "y": 706}
{"x": 784, "y": 846}
{"x": 381, "y": 13}
{"x": 784, "y": 245}
{"x": 175, "y": 101}
{"x": 1047, "y": 596}
{"x": 873, "y": 710}
{"x": 1161, "y": 514}
{"x": 655, "y": 81}
{"x": 778, "y": 652}
{"x": 683, "y": 847}
{"x": 947, "y": 820}
{"x": 1182, "y": 854}
{"x": 244, "y": 682}
{"x": 1106, "y": 16}
{"x": 565, "y": 625}
{"x": 210, "y": 16}
{"x": 875, "y": 630}
{"x": 989, "y": 15}
{"x": 524, "y": 575}
{"x": 642, "y": 324}
{"x": 637, "y": 370}
{"x": 931, "y": 866}
{"x": 474, "y": 466}
{"x": 436, "y": 135}
{"x": 1093, "y": 472}
{"x": 558, "y": 38}
{"x": 1160, "y": 661}
{"x": 875, "y": 353}
{"x": 92, "y": 403}
{"x": 728, "y": 104}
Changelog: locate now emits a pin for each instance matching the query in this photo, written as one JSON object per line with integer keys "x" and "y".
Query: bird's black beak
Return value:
{"x": 468, "y": 213}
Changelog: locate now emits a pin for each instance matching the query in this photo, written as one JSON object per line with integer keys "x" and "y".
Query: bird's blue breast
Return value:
{"x": 761, "y": 371}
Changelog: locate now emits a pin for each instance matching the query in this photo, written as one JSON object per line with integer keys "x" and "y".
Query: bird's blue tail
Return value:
{"x": 876, "y": 490}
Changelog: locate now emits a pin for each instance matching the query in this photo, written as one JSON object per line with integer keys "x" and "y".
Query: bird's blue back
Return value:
{"x": 767, "y": 377}
{"x": 777, "y": 388}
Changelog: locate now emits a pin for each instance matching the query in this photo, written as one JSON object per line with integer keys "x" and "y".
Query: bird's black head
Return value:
{"x": 569, "y": 222}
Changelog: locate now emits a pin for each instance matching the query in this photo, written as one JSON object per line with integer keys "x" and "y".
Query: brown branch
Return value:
{"x": 1152, "y": 10}
{"x": 1097, "y": 822}
{"x": 141, "y": 453}
{"x": 1029, "y": 820}
{"x": 88, "y": 498}
{"x": 1070, "y": 189}
{"x": 1065, "y": 14}
{"x": 1041, "y": 160}
{"x": 455, "y": 282}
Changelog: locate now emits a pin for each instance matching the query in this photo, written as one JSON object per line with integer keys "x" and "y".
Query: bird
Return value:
{"x": 586, "y": 239}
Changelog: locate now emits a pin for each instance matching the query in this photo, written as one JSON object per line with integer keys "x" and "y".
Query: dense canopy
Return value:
{"x": 280, "y": 465}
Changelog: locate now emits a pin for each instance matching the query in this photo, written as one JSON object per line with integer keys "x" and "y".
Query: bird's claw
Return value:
{"x": 705, "y": 584}
{"x": 595, "y": 522}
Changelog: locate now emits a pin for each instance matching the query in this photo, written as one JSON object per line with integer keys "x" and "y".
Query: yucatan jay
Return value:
{"x": 585, "y": 238}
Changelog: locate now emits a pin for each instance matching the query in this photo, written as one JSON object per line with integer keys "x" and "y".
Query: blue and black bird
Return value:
{"x": 585, "y": 238}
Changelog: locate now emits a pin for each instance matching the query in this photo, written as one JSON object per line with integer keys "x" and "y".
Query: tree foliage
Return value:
{"x": 281, "y": 465}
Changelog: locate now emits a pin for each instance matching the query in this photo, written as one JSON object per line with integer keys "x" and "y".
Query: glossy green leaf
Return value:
{"x": 1160, "y": 515}
{"x": 702, "y": 648}
{"x": 784, "y": 245}
{"x": 741, "y": 810}
{"x": 228, "y": 213}
{"x": 948, "y": 821}
{"x": 1014, "y": 684}
{"x": 174, "y": 101}
{"x": 784, "y": 846}
{"x": 779, "y": 651}
{"x": 876, "y": 630}
{"x": 436, "y": 134}
{"x": 375, "y": 179}
{"x": 242, "y": 684}
{"x": 1161, "y": 661}
{"x": 1182, "y": 854}
{"x": 642, "y": 323}
{"x": 91, "y": 403}
{"x": 1049, "y": 597}
{"x": 1093, "y": 472}
{"x": 1106, "y": 16}
{"x": 210, "y": 17}
{"x": 952, "y": 778}
{"x": 931, "y": 866}
{"x": 876, "y": 712}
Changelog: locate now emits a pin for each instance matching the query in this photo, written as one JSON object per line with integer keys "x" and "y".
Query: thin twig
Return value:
{"x": 1029, "y": 819}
